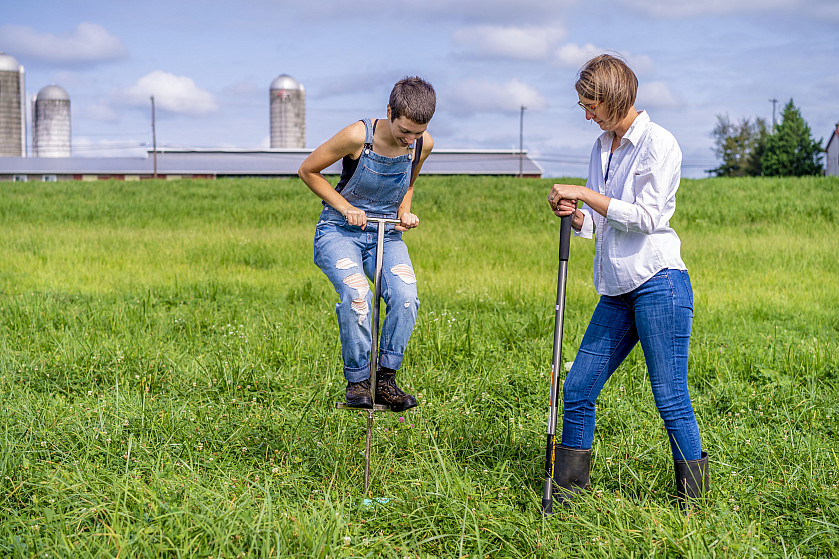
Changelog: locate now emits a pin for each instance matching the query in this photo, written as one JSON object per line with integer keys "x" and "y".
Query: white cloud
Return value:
{"x": 88, "y": 43}
{"x": 521, "y": 43}
{"x": 478, "y": 95}
{"x": 175, "y": 94}
{"x": 572, "y": 55}
{"x": 656, "y": 94}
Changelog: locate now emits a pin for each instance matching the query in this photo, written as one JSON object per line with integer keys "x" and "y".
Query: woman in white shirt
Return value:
{"x": 644, "y": 287}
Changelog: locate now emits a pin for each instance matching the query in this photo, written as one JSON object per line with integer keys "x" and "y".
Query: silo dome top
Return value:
{"x": 284, "y": 81}
{"x": 8, "y": 63}
{"x": 53, "y": 92}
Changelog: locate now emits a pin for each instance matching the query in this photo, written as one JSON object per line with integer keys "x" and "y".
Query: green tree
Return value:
{"x": 760, "y": 135}
{"x": 739, "y": 145}
{"x": 791, "y": 150}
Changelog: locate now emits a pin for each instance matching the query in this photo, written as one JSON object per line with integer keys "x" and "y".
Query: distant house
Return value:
{"x": 272, "y": 163}
{"x": 832, "y": 151}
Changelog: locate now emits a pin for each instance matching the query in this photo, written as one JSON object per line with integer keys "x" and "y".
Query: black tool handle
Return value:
{"x": 564, "y": 237}
{"x": 564, "y": 247}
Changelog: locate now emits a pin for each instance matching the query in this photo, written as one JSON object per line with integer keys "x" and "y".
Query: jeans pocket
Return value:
{"x": 323, "y": 229}
{"x": 685, "y": 278}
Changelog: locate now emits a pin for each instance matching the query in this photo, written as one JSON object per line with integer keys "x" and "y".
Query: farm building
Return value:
{"x": 12, "y": 107}
{"x": 274, "y": 163}
{"x": 51, "y": 143}
{"x": 832, "y": 153}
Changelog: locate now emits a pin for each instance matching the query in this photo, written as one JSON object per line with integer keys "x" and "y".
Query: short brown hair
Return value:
{"x": 413, "y": 98}
{"x": 609, "y": 80}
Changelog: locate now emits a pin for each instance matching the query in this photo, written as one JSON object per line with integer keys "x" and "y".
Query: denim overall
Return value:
{"x": 347, "y": 255}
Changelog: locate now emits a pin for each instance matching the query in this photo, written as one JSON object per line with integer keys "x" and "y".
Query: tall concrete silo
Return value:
{"x": 288, "y": 113}
{"x": 12, "y": 108}
{"x": 51, "y": 123}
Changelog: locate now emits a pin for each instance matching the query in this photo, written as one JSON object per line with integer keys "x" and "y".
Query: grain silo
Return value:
{"x": 288, "y": 113}
{"x": 12, "y": 108}
{"x": 51, "y": 123}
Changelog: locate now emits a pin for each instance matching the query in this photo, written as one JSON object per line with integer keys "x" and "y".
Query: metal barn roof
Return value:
{"x": 250, "y": 163}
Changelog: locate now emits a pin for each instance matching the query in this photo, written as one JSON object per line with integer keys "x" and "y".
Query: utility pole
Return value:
{"x": 153, "y": 137}
{"x": 521, "y": 141}
{"x": 774, "y": 102}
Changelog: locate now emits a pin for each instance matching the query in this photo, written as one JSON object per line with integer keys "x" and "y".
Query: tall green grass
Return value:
{"x": 169, "y": 363}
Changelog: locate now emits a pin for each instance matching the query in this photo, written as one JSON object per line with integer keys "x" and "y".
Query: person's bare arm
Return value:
{"x": 349, "y": 141}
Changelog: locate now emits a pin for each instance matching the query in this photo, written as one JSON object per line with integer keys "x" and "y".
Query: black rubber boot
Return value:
{"x": 391, "y": 395}
{"x": 692, "y": 479}
{"x": 358, "y": 394}
{"x": 572, "y": 468}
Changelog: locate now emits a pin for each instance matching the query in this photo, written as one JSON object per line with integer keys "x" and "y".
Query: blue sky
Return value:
{"x": 210, "y": 63}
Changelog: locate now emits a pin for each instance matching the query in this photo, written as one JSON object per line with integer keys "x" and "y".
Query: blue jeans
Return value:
{"x": 347, "y": 255}
{"x": 659, "y": 314}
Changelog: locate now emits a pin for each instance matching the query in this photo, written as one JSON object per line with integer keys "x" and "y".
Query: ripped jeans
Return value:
{"x": 347, "y": 255}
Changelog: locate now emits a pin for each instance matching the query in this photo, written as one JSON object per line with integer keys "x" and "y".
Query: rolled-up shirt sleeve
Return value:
{"x": 587, "y": 230}
{"x": 653, "y": 184}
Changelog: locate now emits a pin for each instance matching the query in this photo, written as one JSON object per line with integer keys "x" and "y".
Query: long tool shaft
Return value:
{"x": 374, "y": 342}
{"x": 564, "y": 245}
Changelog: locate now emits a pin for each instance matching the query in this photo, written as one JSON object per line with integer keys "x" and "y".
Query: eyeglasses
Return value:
{"x": 589, "y": 108}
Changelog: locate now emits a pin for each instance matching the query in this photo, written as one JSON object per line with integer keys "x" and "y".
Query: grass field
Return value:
{"x": 170, "y": 362}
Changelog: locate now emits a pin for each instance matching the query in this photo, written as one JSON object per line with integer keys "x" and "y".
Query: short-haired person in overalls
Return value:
{"x": 381, "y": 159}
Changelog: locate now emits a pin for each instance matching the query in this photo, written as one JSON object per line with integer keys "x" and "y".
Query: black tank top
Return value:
{"x": 349, "y": 165}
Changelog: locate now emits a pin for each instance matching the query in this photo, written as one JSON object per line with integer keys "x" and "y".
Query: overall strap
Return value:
{"x": 370, "y": 128}
{"x": 417, "y": 155}
{"x": 348, "y": 164}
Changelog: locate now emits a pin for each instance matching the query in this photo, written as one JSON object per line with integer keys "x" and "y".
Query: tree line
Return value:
{"x": 753, "y": 149}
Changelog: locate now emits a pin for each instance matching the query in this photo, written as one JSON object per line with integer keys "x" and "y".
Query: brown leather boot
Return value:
{"x": 389, "y": 394}
{"x": 358, "y": 394}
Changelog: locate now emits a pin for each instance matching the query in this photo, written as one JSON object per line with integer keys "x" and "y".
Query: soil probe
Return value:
{"x": 374, "y": 345}
{"x": 550, "y": 455}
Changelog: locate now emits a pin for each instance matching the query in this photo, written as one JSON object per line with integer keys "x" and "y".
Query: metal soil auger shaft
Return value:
{"x": 374, "y": 343}
{"x": 564, "y": 244}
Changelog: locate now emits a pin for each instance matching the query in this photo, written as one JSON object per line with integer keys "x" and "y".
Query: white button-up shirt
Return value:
{"x": 634, "y": 241}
